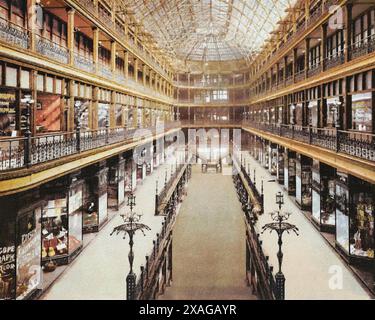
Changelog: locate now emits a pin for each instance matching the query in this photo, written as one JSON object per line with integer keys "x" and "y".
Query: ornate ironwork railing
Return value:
{"x": 148, "y": 284}
{"x": 334, "y": 61}
{"x": 353, "y": 143}
{"x": 363, "y": 47}
{"x": 14, "y": 34}
{"x": 52, "y": 50}
{"x": 83, "y": 63}
{"x": 259, "y": 272}
{"x": 16, "y": 153}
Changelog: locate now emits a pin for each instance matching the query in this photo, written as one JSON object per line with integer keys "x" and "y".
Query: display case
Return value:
{"x": 290, "y": 172}
{"x": 303, "y": 182}
{"x": 62, "y": 221}
{"x": 116, "y": 183}
{"x": 280, "y": 165}
{"x": 342, "y": 211}
{"x": 323, "y": 197}
{"x": 7, "y": 257}
{"x": 355, "y": 218}
{"x": 28, "y": 230}
{"x": 96, "y": 205}
{"x": 273, "y": 159}
{"x": 20, "y": 245}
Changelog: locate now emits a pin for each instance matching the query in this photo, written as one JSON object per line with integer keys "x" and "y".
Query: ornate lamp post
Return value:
{"x": 280, "y": 226}
{"x": 130, "y": 226}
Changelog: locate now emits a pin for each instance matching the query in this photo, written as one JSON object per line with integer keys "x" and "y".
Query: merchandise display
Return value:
{"x": 55, "y": 228}
{"x": 28, "y": 253}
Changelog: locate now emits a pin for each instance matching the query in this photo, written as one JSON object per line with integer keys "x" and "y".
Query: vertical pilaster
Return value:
{"x": 70, "y": 35}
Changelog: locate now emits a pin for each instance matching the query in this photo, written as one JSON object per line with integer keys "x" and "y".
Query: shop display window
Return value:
{"x": 274, "y": 161}
{"x": 28, "y": 253}
{"x": 48, "y": 113}
{"x": 362, "y": 112}
{"x": 75, "y": 238}
{"x": 7, "y": 258}
{"x": 291, "y": 176}
{"x": 55, "y": 228}
{"x": 103, "y": 115}
{"x": 362, "y": 220}
{"x": 313, "y": 113}
{"x": 299, "y": 114}
{"x": 7, "y": 113}
{"x": 333, "y": 112}
{"x": 342, "y": 211}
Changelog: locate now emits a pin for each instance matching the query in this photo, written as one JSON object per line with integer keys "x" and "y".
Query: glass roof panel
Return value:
{"x": 209, "y": 30}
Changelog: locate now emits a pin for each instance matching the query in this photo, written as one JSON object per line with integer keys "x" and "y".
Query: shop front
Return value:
{"x": 116, "y": 183}
{"x": 323, "y": 197}
{"x": 362, "y": 114}
{"x": 62, "y": 237}
{"x": 290, "y": 172}
{"x": 96, "y": 198}
{"x": 273, "y": 159}
{"x": 20, "y": 246}
{"x": 303, "y": 182}
{"x": 280, "y": 165}
{"x": 355, "y": 236}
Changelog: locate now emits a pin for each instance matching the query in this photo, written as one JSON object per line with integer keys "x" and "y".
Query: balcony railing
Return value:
{"x": 52, "y": 50}
{"x": 353, "y": 143}
{"x": 14, "y": 34}
{"x": 84, "y": 63}
{"x": 314, "y": 69}
{"x": 363, "y": 47}
{"x": 334, "y": 60}
{"x": 16, "y": 153}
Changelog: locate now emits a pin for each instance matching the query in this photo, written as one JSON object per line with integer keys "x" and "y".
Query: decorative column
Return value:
{"x": 324, "y": 45}
{"x": 307, "y": 56}
{"x": 32, "y": 20}
{"x": 113, "y": 56}
{"x": 136, "y": 70}
{"x": 126, "y": 62}
{"x": 95, "y": 54}
{"x": 348, "y": 30}
{"x": 70, "y": 35}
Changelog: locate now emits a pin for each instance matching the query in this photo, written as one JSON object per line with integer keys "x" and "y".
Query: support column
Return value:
{"x": 307, "y": 56}
{"x": 126, "y": 61}
{"x": 32, "y": 20}
{"x": 70, "y": 35}
{"x": 144, "y": 67}
{"x": 136, "y": 70}
{"x": 324, "y": 46}
{"x": 70, "y": 107}
{"x": 113, "y": 56}
{"x": 95, "y": 54}
{"x": 348, "y": 30}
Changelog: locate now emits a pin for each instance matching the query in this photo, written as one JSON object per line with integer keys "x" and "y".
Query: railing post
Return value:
{"x": 78, "y": 137}
{"x": 337, "y": 140}
{"x": 107, "y": 130}
{"x": 27, "y": 148}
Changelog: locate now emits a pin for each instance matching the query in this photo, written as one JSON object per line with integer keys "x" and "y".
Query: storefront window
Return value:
{"x": 55, "y": 228}
{"x": 103, "y": 115}
{"x": 28, "y": 253}
{"x": 362, "y": 112}
{"x": 333, "y": 112}
{"x": 362, "y": 220}
{"x": 313, "y": 113}
{"x": 7, "y": 258}
{"x": 7, "y": 113}
{"x": 48, "y": 113}
{"x": 75, "y": 218}
{"x": 342, "y": 211}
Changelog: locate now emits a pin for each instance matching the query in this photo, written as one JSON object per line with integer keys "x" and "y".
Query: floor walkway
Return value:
{"x": 99, "y": 271}
{"x": 209, "y": 242}
{"x": 311, "y": 267}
